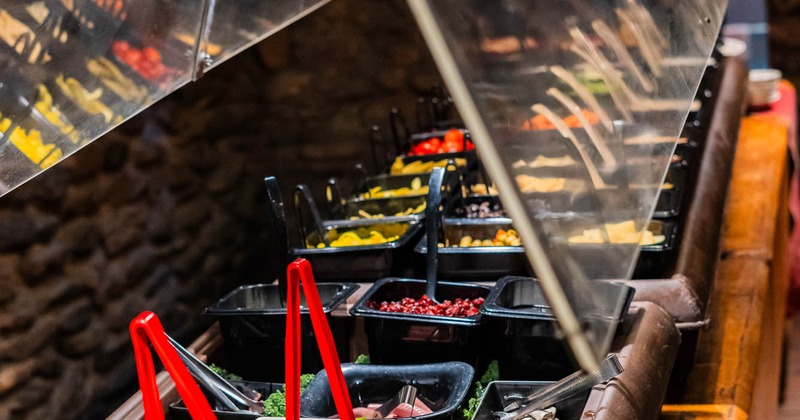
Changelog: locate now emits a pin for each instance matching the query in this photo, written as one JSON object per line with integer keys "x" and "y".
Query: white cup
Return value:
{"x": 762, "y": 86}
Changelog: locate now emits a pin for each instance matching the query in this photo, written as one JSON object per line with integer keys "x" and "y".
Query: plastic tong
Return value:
{"x": 573, "y": 384}
{"x": 146, "y": 328}
{"x": 299, "y": 271}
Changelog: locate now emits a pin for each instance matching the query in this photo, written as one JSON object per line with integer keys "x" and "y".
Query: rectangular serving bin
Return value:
{"x": 398, "y": 338}
{"x": 364, "y": 262}
{"x": 252, "y": 320}
{"x": 524, "y": 332}
{"x": 178, "y": 411}
{"x": 484, "y": 263}
{"x": 493, "y": 399}
{"x": 442, "y": 386}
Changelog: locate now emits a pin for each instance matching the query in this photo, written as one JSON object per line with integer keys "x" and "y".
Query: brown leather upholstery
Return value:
{"x": 647, "y": 344}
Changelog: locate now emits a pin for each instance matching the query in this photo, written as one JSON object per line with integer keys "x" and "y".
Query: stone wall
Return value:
{"x": 166, "y": 213}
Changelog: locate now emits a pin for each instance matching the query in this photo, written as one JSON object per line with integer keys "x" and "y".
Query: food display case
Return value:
{"x": 74, "y": 69}
{"x": 589, "y": 125}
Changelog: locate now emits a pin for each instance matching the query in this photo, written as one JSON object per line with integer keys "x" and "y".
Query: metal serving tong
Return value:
{"x": 406, "y": 395}
{"x": 573, "y": 384}
{"x": 231, "y": 398}
{"x": 146, "y": 328}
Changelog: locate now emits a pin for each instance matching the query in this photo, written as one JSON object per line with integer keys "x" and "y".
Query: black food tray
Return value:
{"x": 365, "y": 262}
{"x": 443, "y": 385}
{"x": 492, "y": 400}
{"x": 484, "y": 263}
{"x": 252, "y": 321}
{"x": 524, "y": 332}
{"x": 397, "y": 338}
{"x": 178, "y": 411}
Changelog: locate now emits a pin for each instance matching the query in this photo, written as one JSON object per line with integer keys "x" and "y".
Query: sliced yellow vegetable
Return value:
{"x": 618, "y": 233}
{"x": 44, "y": 104}
{"x": 534, "y": 184}
{"x": 31, "y": 145}
{"x": 88, "y": 101}
{"x": 416, "y": 189}
{"x": 501, "y": 238}
{"x": 419, "y": 167}
{"x": 371, "y": 235}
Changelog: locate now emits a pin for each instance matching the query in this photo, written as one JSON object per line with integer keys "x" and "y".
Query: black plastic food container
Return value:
{"x": 388, "y": 206}
{"x": 392, "y": 182}
{"x": 444, "y": 385}
{"x": 480, "y": 263}
{"x": 670, "y": 201}
{"x": 657, "y": 261}
{"x": 363, "y": 262}
{"x": 252, "y": 320}
{"x": 459, "y": 207}
{"x": 493, "y": 399}
{"x": 397, "y": 338}
{"x": 654, "y": 260}
{"x": 178, "y": 411}
{"x": 524, "y": 332}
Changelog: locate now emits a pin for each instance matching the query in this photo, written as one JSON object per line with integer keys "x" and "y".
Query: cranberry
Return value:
{"x": 425, "y": 306}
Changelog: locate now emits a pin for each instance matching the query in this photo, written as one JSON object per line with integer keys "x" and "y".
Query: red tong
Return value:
{"x": 298, "y": 272}
{"x": 147, "y": 327}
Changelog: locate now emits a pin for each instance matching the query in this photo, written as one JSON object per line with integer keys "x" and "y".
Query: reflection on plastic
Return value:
{"x": 515, "y": 65}
{"x": 74, "y": 69}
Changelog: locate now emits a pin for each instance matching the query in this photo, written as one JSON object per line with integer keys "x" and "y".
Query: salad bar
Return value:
{"x": 537, "y": 241}
{"x": 489, "y": 314}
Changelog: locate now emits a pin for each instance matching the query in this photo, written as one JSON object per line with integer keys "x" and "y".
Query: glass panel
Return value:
{"x": 575, "y": 107}
{"x": 236, "y": 25}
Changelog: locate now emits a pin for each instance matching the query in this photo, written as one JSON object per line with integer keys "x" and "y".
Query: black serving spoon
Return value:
{"x": 432, "y": 216}
{"x": 333, "y": 195}
{"x": 305, "y": 209}
{"x": 400, "y": 133}
{"x": 277, "y": 225}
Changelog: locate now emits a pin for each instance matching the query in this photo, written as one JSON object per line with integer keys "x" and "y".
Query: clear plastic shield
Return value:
{"x": 74, "y": 69}
{"x": 71, "y": 70}
{"x": 575, "y": 107}
{"x": 236, "y": 25}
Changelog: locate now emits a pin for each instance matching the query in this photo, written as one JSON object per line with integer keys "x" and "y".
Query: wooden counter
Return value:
{"x": 738, "y": 359}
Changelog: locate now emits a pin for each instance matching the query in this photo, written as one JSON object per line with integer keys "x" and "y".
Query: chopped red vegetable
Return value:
{"x": 453, "y": 142}
{"x": 146, "y": 61}
{"x": 425, "y": 306}
{"x": 540, "y": 122}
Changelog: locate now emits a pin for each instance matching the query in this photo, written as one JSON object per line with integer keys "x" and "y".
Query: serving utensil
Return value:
{"x": 299, "y": 272}
{"x": 146, "y": 327}
{"x": 228, "y": 395}
{"x": 573, "y": 384}
{"x": 432, "y": 215}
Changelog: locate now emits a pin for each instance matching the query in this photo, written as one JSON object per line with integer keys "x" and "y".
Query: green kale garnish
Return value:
{"x": 224, "y": 373}
{"x": 472, "y": 404}
{"x": 362, "y": 359}
{"x": 305, "y": 379}
{"x": 492, "y": 374}
{"x": 275, "y": 403}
